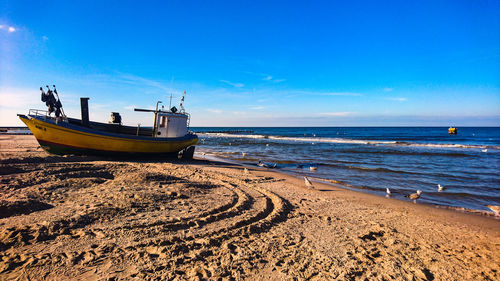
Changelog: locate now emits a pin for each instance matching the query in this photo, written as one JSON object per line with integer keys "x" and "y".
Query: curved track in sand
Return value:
{"x": 135, "y": 213}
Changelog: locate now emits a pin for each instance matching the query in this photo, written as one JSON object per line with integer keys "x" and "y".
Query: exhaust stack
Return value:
{"x": 84, "y": 103}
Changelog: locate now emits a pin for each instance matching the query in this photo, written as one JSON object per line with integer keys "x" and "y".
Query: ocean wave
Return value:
{"x": 226, "y": 135}
{"x": 382, "y": 170}
{"x": 403, "y": 153}
{"x": 296, "y": 139}
{"x": 448, "y": 145}
{"x": 349, "y": 141}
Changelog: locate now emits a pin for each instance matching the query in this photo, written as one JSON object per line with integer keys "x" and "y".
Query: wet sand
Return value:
{"x": 87, "y": 218}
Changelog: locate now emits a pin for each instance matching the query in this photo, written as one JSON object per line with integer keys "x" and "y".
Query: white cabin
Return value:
{"x": 171, "y": 125}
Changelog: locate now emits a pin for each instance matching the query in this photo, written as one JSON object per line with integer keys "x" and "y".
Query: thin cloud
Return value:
{"x": 342, "y": 94}
{"x": 265, "y": 76}
{"x": 272, "y": 79}
{"x": 237, "y": 85}
{"x": 216, "y": 111}
{"x": 149, "y": 86}
{"x": 134, "y": 79}
{"x": 45, "y": 38}
{"x": 388, "y": 89}
{"x": 400, "y": 99}
{"x": 257, "y": 107}
{"x": 239, "y": 113}
{"x": 336, "y": 114}
{"x": 9, "y": 29}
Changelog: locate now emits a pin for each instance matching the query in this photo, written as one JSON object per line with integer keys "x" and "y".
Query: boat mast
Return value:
{"x": 59, "y": 99}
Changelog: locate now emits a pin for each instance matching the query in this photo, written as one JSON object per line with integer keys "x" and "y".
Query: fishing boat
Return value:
{"x": 63, "y": 135}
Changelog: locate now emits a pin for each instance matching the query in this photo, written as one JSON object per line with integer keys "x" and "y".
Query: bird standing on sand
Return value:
{"x": 414, "y": 196}
{"x": 245, "y": 171}
{"x": 387, "y": 192}
{"x": 440, "y": 188}
{"x": 495, "y": 209}
{"x": 308, "y": 182}
{"x": 243, "y": 154}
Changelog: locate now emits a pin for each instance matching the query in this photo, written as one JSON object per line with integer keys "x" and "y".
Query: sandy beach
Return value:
{"x": 88, "y": 218}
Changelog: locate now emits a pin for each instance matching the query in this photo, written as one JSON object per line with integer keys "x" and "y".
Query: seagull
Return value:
{"x": 440, "y": 188}
{"x": 243, "y": 154}
{"x": 495, "y": 209}
{"x": 484, "y": 150}
{"x": 245, "y": 171}
{"x": 414, "y": 196}
{"x": 270, "y": 165}
{"x": 308, "y": 182}
{"x": 387, "y": 192}
{"x": 313, "y": 168}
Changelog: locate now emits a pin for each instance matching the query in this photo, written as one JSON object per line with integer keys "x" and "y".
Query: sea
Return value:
{"x": 371, "y": 159}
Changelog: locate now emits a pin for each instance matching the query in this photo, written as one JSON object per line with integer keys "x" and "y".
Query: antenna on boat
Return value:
{"x": 171, "y": 87}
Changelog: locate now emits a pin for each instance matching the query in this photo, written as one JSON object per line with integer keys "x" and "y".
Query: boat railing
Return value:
{"x": 45, "y": 114}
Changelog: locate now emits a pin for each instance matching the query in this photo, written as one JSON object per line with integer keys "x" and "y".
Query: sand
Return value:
{"x": 85, "y": 218}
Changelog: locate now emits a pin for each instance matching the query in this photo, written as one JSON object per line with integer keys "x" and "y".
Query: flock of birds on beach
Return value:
{"x": 413, "y": 196}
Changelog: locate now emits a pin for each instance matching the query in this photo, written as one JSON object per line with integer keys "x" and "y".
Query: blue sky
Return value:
{"x": 258, "y": 63}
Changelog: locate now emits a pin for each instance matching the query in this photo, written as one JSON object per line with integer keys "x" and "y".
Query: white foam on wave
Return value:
{"x": 347, "y": 141}
{"x": 448, "y": 145}
{"x": 226, "y": 135}
{"x": 328, "y": 140}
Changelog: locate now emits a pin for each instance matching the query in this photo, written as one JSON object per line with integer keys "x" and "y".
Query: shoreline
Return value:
{"x": 335, "y": 183}
{"x": 322, "y": 186}
{"x": 94, "y": 218}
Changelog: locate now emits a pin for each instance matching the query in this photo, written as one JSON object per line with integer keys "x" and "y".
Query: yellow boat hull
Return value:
{"x": 63, "y": 138}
